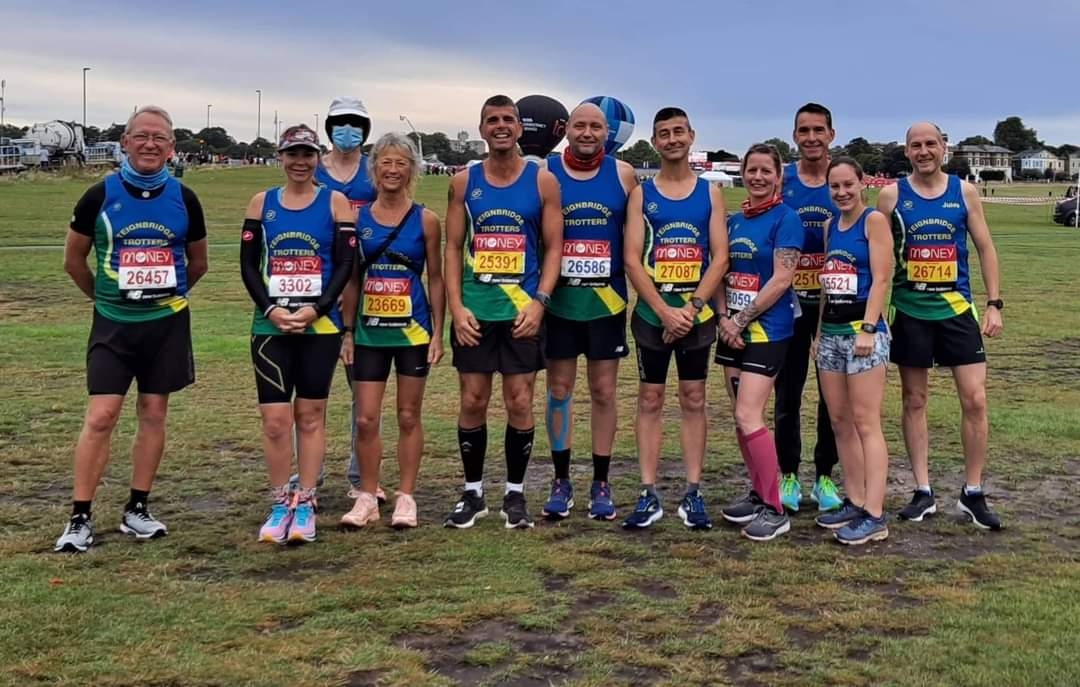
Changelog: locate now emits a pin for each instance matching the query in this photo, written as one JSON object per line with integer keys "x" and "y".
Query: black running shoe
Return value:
{"x": 974, "y": 505}
{"x": 744, "y": 510}
{"x": 922, "y": 504}
{"x": 466, "y": 511}
{"x": 515, "y": 512}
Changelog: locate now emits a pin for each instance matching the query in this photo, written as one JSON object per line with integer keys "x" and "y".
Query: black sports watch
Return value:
{"x": 868, "y": 327}
{"x": 999, "y": 304}
{"x": 698, "y": 303}
{"x": 545, "y": 299}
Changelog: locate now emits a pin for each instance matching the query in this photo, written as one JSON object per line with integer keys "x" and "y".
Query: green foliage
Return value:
{"x": 12, "y": 131}
{"x": 1012, "y": 134}
{"x": 959, "y": 166}
{"x": 782, "y": 147}
{"x": 641, "y": 154}
{"x": 976, "y": 141}
{"x": 992, "y": 175}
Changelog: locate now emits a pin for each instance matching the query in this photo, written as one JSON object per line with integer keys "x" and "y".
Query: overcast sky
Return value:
{"x": 740, "y": 68}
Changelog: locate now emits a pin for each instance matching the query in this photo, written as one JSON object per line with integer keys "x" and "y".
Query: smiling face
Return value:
{"x": 673, "y": 138}
{"x": 587, "y": 131}
{"x": 148, "y": 143}
{"x": 299, "y": 163}
{"x": 845, "y": 187}
{"x": 500, "y": 127}
{"x": 925, "y": 148}
{"x": 393, "y": 170}
{"x": 761, "y": 177}
{"x": 813, "y": 136}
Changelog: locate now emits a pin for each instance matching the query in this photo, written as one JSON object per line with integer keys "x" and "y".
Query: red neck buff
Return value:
{"x": 578, "y": 165}
{"x": 755, "y": 210}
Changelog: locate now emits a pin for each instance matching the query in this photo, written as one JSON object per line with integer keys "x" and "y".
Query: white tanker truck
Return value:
{"x": 52, "y": 143}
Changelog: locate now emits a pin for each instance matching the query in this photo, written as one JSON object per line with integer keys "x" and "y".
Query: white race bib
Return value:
{"x": 143, "y": 269}
{"x": 299, "y": 278}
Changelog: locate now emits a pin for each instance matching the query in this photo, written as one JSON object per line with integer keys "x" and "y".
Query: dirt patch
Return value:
{"x": 272, "y": 625}
{"x": 556, "y": 583}
{"x": 590, "y": 602}
{"x": 535, "y": 658}
{"x": 746, "y": 669}
{"x": 363, "y": 678}
{"x": 656, "y": 590}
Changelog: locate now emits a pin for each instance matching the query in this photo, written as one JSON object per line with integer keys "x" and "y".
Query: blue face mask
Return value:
{"x": 346, "y": 137}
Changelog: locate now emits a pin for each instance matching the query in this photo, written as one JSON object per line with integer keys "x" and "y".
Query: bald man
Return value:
{"x": 935, "y": 321}
{"x": 587, "y": 315}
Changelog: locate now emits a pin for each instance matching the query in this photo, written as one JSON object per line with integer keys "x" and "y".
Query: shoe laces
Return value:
{"x": 77, "y": 523}
{"x": 278, "y": 512}
{"x": 561, "y": 488}
{"x": 693, "y": 503}
{"x": 602, "y": 490}
{"x": 825, "y": 484}
{"x": 644, "y": 502}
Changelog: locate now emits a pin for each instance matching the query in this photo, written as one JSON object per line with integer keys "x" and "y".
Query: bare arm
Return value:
{"x": 719, "y": 256}
{"x": 436, "y": 284}
{"x": 879, "y": 237}
{"x": 552, "y": 230}
{"x": 988, "y": 257}
{"x": 198, "y": 261}
{"x": 76, "y": 249}
{"x": 633, "y": 246}
{"x": 627, "y": 177}
{"x": 785, "y": 261}
{"x": 453, "y": 256}
{"x": 886, "y": 200}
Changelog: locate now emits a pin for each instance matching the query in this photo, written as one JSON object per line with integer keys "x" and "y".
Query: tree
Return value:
{"x": 722, "y": 156}
{"x": 1012, "y": 134}
{"x": 261, "y": 147}
{"x": 216, "y": 139}
{"x": 91, "y": 134}
{"x": 959, "y": 166}
{"x": 976, "y": 141}
{"x": 782, "y": 147}
{"x": 894, "y": 162}
{"x": 866, "y": 154}
{"x": 641, "y": 154}
{"x": 113, "y": 133}
{"x": 11, "y": 131}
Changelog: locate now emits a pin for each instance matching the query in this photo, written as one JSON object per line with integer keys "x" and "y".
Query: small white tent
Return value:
{"x": 721, "y": 179}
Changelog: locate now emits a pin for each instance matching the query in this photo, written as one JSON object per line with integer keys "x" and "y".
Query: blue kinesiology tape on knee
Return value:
{"x": 558, "y": 428}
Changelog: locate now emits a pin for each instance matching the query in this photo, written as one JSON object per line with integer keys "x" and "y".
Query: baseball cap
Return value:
{"x": 347, "y": 105}
{"x": 299, "y": 136}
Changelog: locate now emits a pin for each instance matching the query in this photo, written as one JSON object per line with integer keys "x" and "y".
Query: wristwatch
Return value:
{"x": 868, "y": 327}
{"x": 544, "y": 298}
{"x": 698, "y": 303}
{"x": 999, "y": 304}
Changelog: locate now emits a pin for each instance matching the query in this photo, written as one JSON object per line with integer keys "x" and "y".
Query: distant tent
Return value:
{"x": 722, "y": 179}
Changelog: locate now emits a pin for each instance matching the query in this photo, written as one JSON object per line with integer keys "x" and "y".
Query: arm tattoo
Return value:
{"x": 789, "y": 257}
{"x": 747, "y": 315}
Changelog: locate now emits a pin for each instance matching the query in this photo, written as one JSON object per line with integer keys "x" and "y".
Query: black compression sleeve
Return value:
{"x": 196, "y": 219}
{"x": 84, "y": 218}
{"x": 344, "y": 252}
{"x": 251, "y": 250}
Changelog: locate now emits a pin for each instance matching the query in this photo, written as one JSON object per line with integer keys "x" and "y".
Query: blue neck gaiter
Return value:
{"x": 145, "y": 182}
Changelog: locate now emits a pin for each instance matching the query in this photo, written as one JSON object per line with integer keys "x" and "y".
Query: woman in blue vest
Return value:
{"x": 852, "y": 347}
{"x": 391, "y": 319}
{"x": 296, "y": 256}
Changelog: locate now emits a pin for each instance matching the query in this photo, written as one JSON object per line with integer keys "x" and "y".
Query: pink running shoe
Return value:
{"x": 364, "y": 512}
{"x": 404, "y": 511}
{"x": 303, "y": 522}
{"x": 276, "y": 528}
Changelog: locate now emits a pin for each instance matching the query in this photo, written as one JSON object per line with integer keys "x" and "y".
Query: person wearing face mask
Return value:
{"x": 345, "y": 169}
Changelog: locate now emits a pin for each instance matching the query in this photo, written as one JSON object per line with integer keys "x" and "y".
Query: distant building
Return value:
{"x": 983, "y": 157}
{"x": 1036, "y": 160}
{"x": 463, "y": 144}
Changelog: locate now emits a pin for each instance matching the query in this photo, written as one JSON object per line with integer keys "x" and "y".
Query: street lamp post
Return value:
{"x": 419, "y": 140}
{"x": 208, "y": 116}
{"x": 3, "y": 87}
{"x": 258, "y": 123}
{"x": 84, "y": 70}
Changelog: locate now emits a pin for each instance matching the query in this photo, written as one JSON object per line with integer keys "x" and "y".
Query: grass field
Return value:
{"x": 578, "y": 603}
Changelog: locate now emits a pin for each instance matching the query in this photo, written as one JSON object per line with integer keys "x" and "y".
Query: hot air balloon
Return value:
{"x": 620, "y": 121}
{"x": 544, "y": 122}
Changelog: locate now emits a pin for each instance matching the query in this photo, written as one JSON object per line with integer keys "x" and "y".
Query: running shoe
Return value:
{"x": 790, "y": 492}
{"x": 466, "y": 511}
{"x": 303, "y": 522}
{"x": 78, "y": 535}
{"x": 364, "y": 512}
{"x": 139, "y": 523}
{"x": 354, "y": 493}
{"x": 922, "y": 504}
{"x": 561, "y": 500}
{"x": 767, "y": 525}
{"x": 276, "y": 528}
{"x": 825, "y": 494}
{"x": 744, "y": 510}
{"x": 863, "y": 530}
{"x": 692, "y": 511}
{"x": 647, "y": 511}
{"x": 601, "y": 504}
{"x": 834, "y": 520}
{"x": 515, "y": 512}
{"x": 404, "y": 512}
{"x": 974, "y": 505}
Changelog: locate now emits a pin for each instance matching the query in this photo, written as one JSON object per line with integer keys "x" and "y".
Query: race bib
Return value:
{"x": 296, "y": 278}
{"x": 806, "y": 274}
{"x": 387, "y": 302}
{"x": 150, "y": 270}
{"x": 678, "y": 267}
{"x": 741, "y": 290}
{"x": 932, "y": 267}
{"x": 586, "y": 263}
{"x": 840, "y": 279}
{"x": 499, "y": 258}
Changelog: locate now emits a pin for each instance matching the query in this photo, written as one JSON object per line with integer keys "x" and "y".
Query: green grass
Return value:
{"x": 577, "y": 603}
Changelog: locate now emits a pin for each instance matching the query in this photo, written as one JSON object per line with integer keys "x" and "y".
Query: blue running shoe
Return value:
{"x": 865, "y": 529}
{"x": 692, "y": 512}
{"x": 825, "y": 494}
{"x": 647, "y": 511}
{"x": 790, "y": 492}
{"x": 834, "y": 520}
{"x": 561, "y": 500}
{"x": 601, "y": 504}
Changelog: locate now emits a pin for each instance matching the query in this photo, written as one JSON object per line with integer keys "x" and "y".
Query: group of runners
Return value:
{"x": 341, "y": 262}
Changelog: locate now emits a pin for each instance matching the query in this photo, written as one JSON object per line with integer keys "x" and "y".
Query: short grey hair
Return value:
{"x": 399, "y": 142}
{"x": 148, "y": 109}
